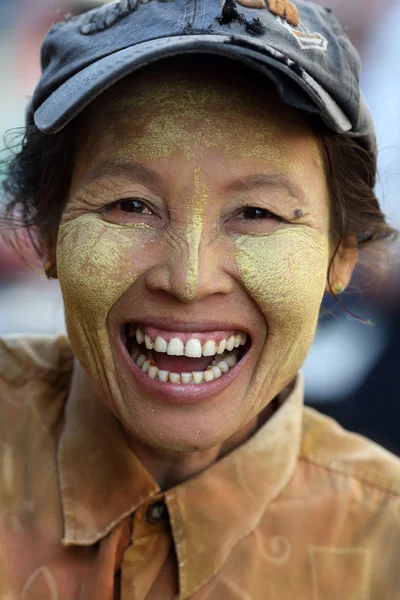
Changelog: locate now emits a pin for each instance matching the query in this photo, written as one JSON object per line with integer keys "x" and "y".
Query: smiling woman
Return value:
{"x": 194, "y": 218}
{"x": 182, "y": 233}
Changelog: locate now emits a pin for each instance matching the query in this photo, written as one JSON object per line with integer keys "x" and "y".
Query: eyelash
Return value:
{"x": 125, "y": 201}
{"x": 263, "y": 213}
{"x": 260, "y": 213}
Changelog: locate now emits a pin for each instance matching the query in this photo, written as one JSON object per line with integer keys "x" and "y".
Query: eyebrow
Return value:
{"x": 147, "y": 176}
{"x": 133, "y": 170}
{"x": 271, "y": 180}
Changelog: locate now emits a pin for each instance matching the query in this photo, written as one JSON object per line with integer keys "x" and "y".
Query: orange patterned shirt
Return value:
{"x": 303, "y": 510}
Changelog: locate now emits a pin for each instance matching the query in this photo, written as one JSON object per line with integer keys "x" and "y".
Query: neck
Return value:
{"x": 170, "y": 468}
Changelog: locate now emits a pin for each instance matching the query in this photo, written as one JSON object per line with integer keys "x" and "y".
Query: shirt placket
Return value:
{"x": 144, "y": 558}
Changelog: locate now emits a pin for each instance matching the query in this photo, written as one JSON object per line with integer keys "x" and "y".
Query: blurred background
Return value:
{"x": 351, "y": 372}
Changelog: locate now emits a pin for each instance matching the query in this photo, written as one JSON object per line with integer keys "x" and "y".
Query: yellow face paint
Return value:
{"x": 194, "y": 230}
{"x": 192, "y": 120}
{"x": 285, "y": 273}
{"x": 96, "y": 265}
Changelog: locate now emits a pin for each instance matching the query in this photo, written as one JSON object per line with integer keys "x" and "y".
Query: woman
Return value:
{"x": 194, "y": 211}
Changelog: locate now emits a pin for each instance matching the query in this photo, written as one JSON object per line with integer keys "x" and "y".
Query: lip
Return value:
{"x": 195, "y": 326}
{"x": 180, "y": 394}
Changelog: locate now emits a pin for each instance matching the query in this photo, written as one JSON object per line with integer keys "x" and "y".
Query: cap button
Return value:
{"x": 156, "y": 512}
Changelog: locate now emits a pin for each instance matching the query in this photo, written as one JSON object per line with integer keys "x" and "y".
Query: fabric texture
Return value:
{"x": 303, "y": 509}
{"x": 308, "y": 55}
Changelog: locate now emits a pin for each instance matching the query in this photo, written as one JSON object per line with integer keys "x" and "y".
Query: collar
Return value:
{"x": 213, "y": 511}
{"x": 102, "y": 482}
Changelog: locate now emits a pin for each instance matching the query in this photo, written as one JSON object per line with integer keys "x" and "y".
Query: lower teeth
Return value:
{"x": 219, "y": 366}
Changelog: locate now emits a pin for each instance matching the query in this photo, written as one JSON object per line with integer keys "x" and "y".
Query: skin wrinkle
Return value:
{"x": 193, "y": 258}
{"x": 92, "y": 279}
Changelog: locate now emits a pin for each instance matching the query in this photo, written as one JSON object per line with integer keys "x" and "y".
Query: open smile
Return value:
{"x": 188, "y": 358}
{"x": 182, "y": 361}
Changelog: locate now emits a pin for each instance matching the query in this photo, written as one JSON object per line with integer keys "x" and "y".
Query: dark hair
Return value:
{"x": 36, "y": 186}
{"x": 355, "y": 211}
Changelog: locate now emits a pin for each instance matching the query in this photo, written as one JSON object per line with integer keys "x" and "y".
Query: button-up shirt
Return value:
{"x": 303, "y": 510}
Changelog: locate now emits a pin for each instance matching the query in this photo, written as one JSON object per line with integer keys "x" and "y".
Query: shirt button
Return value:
{"x": 156, "y": 512}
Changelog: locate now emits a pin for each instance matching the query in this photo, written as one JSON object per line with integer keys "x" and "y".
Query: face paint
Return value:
{"x": 193, "y": 120}
{"x": 96, "y": 264}
{"x": 193, "y": 235}
{"x": 285, "y": 274}
{"x": 198, "y": 139}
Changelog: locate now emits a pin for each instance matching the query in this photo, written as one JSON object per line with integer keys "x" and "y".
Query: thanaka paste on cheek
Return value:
{"x": 285, "y": 274}
{"x": 96, "y": 263}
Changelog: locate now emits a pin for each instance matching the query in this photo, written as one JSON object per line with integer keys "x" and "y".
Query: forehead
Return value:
{"x": 192, "y": 114}
{"x": 206, "y": 111}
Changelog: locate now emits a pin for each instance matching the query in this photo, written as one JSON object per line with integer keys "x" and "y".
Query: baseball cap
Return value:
{"x": 299, "y": 46}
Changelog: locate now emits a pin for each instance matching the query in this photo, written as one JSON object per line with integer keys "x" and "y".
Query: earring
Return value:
{"x": 48, "y": 270}
{"x": 338, "y": 287}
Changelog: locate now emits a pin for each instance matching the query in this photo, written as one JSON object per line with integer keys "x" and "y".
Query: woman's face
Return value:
{"x": 198, "y": 210}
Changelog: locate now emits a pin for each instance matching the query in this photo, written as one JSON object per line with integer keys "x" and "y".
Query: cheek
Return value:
{"x": 97, "y": 262}
{"x": 285, "y": 273}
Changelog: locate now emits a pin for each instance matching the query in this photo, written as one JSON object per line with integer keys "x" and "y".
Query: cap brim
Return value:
{"x": 296, "y": 87}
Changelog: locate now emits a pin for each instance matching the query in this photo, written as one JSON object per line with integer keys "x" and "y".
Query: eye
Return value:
{"x": 255, "y": 213}
{"x": 130, "y": 205}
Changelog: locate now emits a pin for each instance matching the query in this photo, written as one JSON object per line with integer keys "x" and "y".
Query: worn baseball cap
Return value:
{"x": 299, "y": 46}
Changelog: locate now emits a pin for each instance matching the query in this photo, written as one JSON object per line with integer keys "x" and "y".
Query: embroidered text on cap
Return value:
{"x": 281, "y": 8}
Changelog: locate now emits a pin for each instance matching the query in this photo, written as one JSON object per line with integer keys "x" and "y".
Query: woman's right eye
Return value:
{"x": 130, "y": 205}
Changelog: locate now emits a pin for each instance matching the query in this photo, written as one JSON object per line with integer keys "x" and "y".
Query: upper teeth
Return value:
{"x": 193, "y": 348}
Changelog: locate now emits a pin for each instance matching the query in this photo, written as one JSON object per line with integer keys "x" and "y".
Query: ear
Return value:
{"x": 49, "y": 246}
{"x": 345, "y": 260}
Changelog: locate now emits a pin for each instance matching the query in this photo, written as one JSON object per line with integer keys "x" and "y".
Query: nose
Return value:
{"x": 192, "y": 270}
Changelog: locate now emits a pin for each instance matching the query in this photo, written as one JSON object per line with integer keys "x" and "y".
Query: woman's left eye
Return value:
{"x": 130, "y": 205}
{"x": 255, "y": 213}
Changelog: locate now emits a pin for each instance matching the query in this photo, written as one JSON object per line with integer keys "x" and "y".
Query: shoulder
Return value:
{"x": 328, "y": 445}
{"x": 24, "y": 358}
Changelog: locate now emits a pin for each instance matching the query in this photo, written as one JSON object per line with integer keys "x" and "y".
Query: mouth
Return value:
{"x": 182, "y": 358}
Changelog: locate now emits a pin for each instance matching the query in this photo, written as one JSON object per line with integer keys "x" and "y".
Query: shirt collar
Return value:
{"x": 226, "y": 502}
{"x": 102, "y": 482}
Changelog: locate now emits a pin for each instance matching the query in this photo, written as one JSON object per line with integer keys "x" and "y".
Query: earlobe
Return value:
{"x": 50, "y": 258}
{"x": 341, "y": 270}
{"x": 50, "y": 270}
